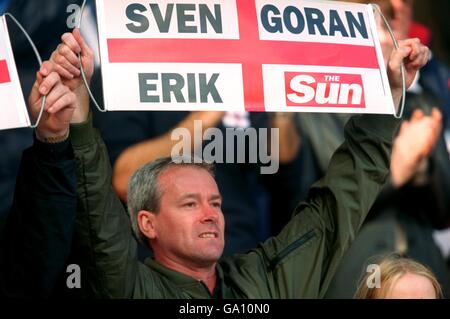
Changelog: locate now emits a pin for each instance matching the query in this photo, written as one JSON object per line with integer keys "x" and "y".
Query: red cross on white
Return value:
{"x": 4, "y": 73}
{"x": 248, "y": 50}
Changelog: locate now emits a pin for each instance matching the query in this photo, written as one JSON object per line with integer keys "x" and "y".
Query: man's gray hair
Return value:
{"x": 144, "y": 193}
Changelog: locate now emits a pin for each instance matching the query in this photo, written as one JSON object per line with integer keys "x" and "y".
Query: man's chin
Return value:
{"x": 209, "y": 255}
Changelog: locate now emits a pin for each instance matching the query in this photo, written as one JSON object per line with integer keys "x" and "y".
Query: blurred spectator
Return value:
{"x": 45, "y": 21}
{"x": 38, "y": 234}
{"x": 435, "y": 15}
{"x": 435, "y": 76}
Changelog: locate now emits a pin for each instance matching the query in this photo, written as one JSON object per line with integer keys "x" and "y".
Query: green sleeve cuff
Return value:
{"x": 381, "y": 125}
{"x": 82, "y": 134}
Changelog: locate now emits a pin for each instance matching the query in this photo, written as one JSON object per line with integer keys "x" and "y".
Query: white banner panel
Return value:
{"x": 13, "y": 111}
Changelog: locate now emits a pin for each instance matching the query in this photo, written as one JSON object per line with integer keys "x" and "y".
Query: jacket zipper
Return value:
{"x": 293, "y": 246}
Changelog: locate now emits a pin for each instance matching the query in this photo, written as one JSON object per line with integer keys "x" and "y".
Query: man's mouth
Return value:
{"x": 208, "y": 235}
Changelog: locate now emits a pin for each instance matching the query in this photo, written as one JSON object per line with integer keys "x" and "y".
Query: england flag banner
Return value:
{"x": 13, "y": 111}
{"x": 242, "y": 55}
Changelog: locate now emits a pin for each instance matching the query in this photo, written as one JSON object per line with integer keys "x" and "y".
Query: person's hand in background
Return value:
{"x": 413, "y": 145}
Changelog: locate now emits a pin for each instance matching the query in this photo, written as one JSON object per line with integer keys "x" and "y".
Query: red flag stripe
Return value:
{"x": 4, "y": 74}
{"x": 233, "y": 51}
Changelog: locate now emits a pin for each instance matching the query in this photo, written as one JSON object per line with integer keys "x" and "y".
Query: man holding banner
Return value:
{"x": 176, "y": 210}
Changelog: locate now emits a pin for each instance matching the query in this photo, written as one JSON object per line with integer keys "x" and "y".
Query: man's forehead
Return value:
{"x": 186, "y": 175}
{"x": 196, "y": 195}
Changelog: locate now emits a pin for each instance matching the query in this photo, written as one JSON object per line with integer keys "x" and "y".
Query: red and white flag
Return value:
{"x": 242, "y": 55}
{"x": 13, "y": 111}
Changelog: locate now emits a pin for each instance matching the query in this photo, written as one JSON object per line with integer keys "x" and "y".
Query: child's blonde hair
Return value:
{"x": 392, "y": 268}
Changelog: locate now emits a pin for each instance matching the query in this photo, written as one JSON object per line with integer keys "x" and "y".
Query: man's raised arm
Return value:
{"x": 301, "y": 261}
{"x": 105, "y": 245}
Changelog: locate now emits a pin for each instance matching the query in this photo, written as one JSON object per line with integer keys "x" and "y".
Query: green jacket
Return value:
{"x": 298, "y": 263}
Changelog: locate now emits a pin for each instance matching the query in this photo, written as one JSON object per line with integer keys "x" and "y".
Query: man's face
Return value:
{"x": 189, "y": 227}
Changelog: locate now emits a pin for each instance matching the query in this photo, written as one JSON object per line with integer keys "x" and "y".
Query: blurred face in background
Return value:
{"x": 399, "y": 14}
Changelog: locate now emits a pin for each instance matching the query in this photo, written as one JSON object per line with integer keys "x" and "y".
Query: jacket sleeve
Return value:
{"x": 110, "y": 267}
{"x": 38, "y": 235}
{"x": 301, "y": 261}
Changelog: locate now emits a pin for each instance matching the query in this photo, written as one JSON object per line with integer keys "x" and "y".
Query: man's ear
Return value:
{"x": 146, "y": 223}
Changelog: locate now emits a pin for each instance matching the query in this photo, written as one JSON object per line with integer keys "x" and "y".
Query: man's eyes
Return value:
{"x": 217, "y": 204}
{"x": 189, "y": 204}
{"x": 194, "y": 204}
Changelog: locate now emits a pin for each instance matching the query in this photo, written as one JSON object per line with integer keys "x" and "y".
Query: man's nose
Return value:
{"x": 210, "y": 214}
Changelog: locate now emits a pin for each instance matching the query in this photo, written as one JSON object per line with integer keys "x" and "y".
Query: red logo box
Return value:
{"x": 324, "y": 90}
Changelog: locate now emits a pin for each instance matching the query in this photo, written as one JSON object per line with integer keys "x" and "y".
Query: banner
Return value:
{"x": 13, "y": 111}
{"x": 253, "y": 55}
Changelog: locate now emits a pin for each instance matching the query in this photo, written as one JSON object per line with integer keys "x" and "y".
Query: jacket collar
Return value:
{"x": 193, "y": 287}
